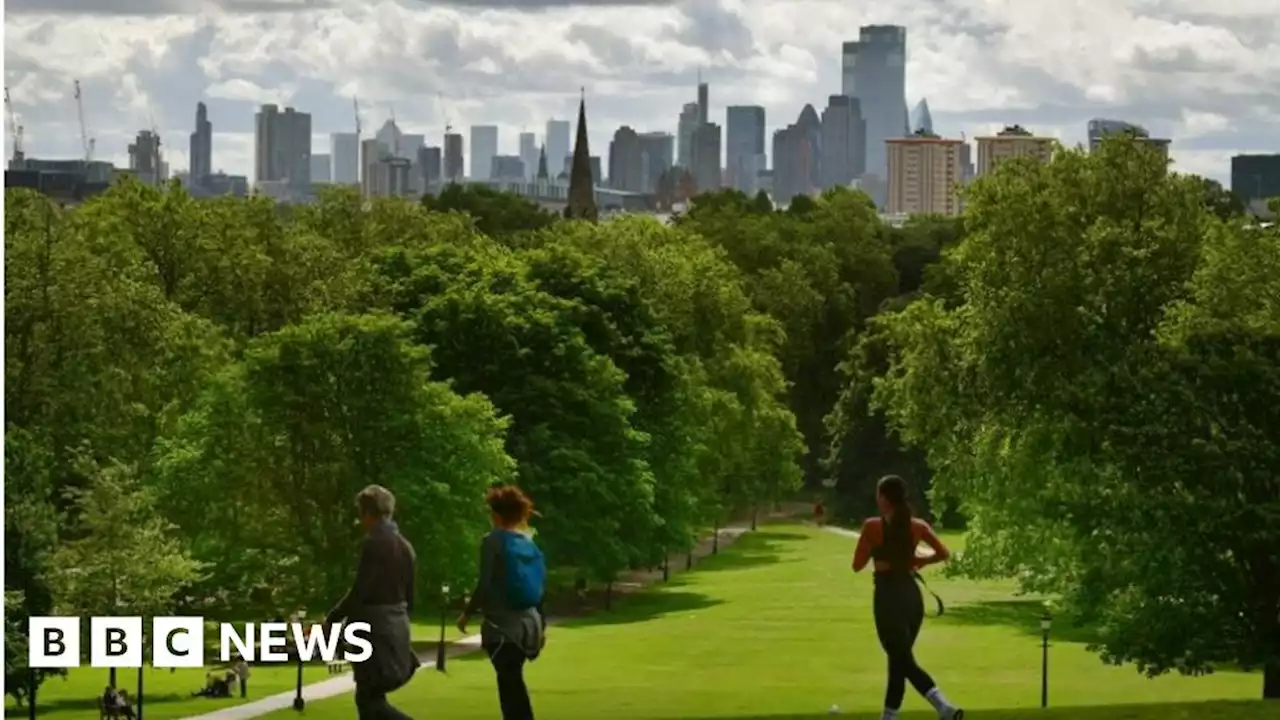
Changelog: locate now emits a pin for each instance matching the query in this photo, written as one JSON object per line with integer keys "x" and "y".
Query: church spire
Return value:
{"x": 542, "y": 163}
{"x": 582, "y": 188}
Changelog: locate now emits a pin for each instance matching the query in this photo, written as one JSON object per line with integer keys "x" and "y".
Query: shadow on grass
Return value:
{"x": 1217, "y": 710}
{"x": 762, "y": 547}
{"x": 1023, "y": 615}
{"x": 645, "y": 606}
{"x": 88, "y": 706}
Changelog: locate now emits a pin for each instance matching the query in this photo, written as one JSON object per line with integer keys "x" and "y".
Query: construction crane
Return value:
{"x": 86, "y": 141}
{"x": 15, "y": 130}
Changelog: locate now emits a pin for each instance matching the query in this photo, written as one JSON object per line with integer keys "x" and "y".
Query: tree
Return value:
{"x": 125, "y": 558}
{"x": 496, "y": 213}
{"x": 1101, "y": 387}
{"x": 267, "y": 467}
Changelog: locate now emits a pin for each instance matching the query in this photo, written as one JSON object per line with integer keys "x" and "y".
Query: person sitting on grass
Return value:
{"x": 509, "y": 595}
{"x": 110, "y": 701}
{"x": 123, "y": 706}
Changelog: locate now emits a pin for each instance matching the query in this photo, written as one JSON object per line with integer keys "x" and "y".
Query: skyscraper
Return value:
{"x": 684, "y": 134}
{"x": 282, "y": 146}
{"x": 921, "y": 118}
{"x": 843, "y": 140}
{"x": 484, "y": 146}
{"x": 796, "y": 153}
{"x": 704, "y": 104}
{"x": 529, "y": 152}
{"x": 429, "y": 167}
{"x": 1255, "y": 178}
{"x": 744, "y": 146}
{"x": 874, "y": 71}
{"x": 557, "y": 142}
{"x": 344, "y": 148}
{"x": 453, "y": 158}
{"x": 657, "y": 155}
{"x": 626, "y": 164}
{"x": 201, "y": 147}
{"x": 706, "y": 158}
{"x": 320, "y": 168}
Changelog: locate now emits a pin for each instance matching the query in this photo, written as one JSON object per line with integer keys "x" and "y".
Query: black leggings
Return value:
{"x": 899, "y": 611}
{"x": 513, "y": 695}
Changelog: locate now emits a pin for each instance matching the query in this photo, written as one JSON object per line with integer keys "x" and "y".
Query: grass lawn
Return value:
{"x": 167, "y": 694}
{"x": 776, "y": 627}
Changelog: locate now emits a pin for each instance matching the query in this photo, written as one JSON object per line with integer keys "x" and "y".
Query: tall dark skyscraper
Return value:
{"x": 706, "y": 157}
{"x": 201, "y": 147}
{"x": 744, "y": 146}
{"x": 453, "y": 158}
{"x": 1255, "y": 177}
{"x": 704, "y": 104}
{"x": 626, "y": 161}
{"x": 843, "y": 141}
{"x": 874, "y": 70}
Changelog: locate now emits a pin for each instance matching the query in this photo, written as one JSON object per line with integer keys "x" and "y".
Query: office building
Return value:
{"x": 344, "y": 151}
{"x": 744, "y": 146}
{"x": 321, "y": 171}
{"x": 657, "y": 156}
{"x": 843, "y": 142}
{"x": 925, "y": 175}
{"x": 874, "y": 71}
{"x": 484, "y": 146}
{"x": 1100, "y": 128}
{"x": 1256, "y": 178}
{"x": 921, "y": 118}
{"x": 557, "y": 143}
{"x": 626, "y": 162}
{"x": 507, "y": 168}
{"x": 1012, "y": 142}
{"x": 282, "y": 147}
{"x": 201, "y": 158}
{"x": 705, "y": 153}
{"x": 529, "y": 152}
{"x": 685, "y": 128}
{"x": 593, "y": 162}
{"x": 429, "y": 168}
{"x": 797, "y": 150}
{"x": 453, "y": 158}
{"x": 704, "y": 103}
{"x": 145, "y": 160}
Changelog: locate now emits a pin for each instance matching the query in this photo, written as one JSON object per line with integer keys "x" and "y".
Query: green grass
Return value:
{"x": 777, "y": 627}
{"x": 167, "y": 694}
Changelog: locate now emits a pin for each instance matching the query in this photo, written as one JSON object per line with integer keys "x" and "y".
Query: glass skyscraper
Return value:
{"x": 874, "y": 70}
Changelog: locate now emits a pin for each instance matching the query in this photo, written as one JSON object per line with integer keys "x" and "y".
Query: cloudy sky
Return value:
{"x": 1204, "y": 72}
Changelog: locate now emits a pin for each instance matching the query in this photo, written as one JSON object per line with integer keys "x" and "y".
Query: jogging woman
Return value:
{"x": 890, "y": 542}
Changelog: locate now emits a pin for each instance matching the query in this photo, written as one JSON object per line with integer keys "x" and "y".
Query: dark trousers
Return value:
{"x": 899, "y": 613}
{"x": 508, "y": 662}
{"x": 372, "y": 705}
{"x": 244, "y": 691}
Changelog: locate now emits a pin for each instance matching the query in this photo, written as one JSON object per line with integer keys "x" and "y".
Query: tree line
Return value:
{"x": 196, "y": 389}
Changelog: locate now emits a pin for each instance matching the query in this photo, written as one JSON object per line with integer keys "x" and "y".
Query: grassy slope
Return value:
{"x": 168, "y": 693}
{"x": 777, "y": 627}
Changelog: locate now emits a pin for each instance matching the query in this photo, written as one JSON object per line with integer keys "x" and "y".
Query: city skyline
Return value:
{"x": 639, "y": 66}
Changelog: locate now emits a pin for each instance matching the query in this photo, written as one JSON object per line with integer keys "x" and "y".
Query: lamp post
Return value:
{"x": 444, "y": 611}
{"x": 1045, "y": 623}
{"x": 298, "y": 703}
{"x": 31, "y": 698}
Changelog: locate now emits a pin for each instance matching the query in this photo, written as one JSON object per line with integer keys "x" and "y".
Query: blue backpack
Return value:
{"x": 526, "y": 570}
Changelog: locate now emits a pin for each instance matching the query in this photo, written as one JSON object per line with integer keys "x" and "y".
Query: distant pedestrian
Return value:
{"x": 890, "y": 541}
{"x": 383, "y": 597}
{"x": 819, "y": 513}
{"x": 509, "y": 595}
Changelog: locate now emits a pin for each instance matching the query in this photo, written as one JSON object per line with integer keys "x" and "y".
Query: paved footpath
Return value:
{"x": 344, "y": 683}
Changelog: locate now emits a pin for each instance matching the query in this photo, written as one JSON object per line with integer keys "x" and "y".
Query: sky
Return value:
{"x": 1204, "y": 72}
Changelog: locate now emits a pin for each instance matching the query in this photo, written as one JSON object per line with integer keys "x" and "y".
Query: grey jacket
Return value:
{"x": 502, "y": 624}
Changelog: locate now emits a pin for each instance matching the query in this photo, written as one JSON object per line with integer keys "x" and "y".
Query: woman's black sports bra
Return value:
{"x": 885, "y": 554}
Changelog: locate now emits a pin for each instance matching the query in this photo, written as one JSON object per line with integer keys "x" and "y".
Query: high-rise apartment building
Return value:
{"x": 706, "y": 158}
{"x": 454, "y": 171}
{"x": 874, "y": 71}
{"x": 529, "y": 153}
{"x": 320, "y": 168}
{"x": 558, "y": 149}
{"x": 282, "y": 146}
{"x": 925, "y": 175}
{"x": 201, "y": 159}
{"x": 657, "y": 156}
{"x": 844, "y": 137}
{"x": 345, "y": 151}
{"x": 688, "y": 123}
{"x": 484, "y": 146}
{"x": 744, "y": 146}
{"x": 1256, "y": 178}
{"x": 1012, "y": 142}
{"x": 626, "y": 162}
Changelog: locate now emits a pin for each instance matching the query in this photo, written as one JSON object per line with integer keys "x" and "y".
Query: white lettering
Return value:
{"x": 274, "y": 635}
{"x": 356, "y": 636}
{"x": 307, "y": 637}
{"x": 228, "y": 637}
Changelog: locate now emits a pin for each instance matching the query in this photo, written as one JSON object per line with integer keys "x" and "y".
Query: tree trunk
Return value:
{"x": 608, "y": 596}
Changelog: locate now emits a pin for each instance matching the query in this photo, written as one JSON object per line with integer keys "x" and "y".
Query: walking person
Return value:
{"x": 382, "y": 596}
{"x": 509, "y": 595}
{"x": 890, "y": 542}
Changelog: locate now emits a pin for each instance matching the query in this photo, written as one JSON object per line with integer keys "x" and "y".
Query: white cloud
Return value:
{"x": 1204, "y": 72}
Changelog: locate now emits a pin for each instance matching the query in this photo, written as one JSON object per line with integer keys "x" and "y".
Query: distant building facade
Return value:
{"x": 925, "y": 175}
{"x": 1012, "y": 142}
{"x": 282, "y": 147}
{"x": 744, "y": 146}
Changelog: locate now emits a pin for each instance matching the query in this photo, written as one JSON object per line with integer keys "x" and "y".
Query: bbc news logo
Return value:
{"x": 178, "y": 642}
